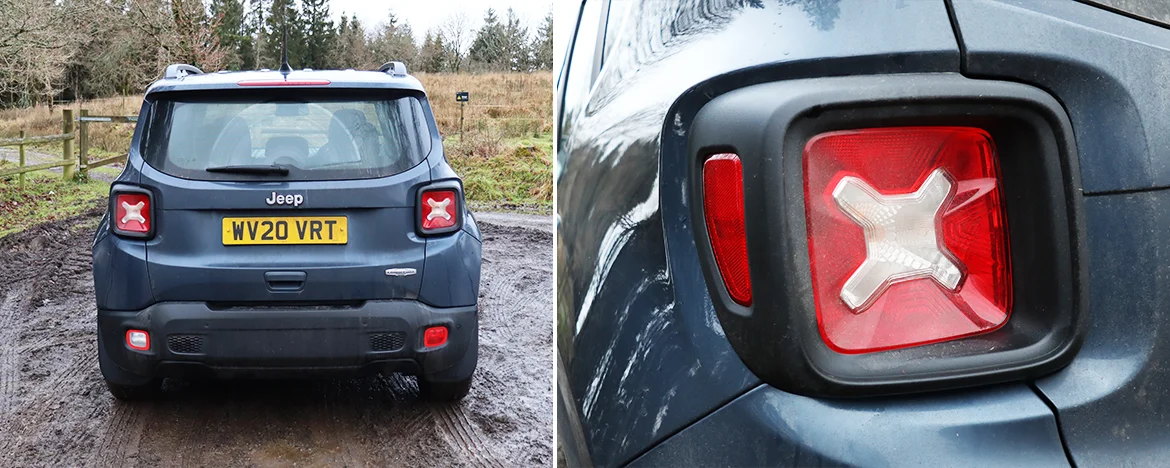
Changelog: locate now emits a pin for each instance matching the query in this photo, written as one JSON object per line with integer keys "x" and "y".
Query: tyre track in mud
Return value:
{"x": 55, "y": 411}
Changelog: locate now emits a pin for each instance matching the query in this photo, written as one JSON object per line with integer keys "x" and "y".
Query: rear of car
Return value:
{"x": 272, "y": 225}
{"x": 864, "y": 233}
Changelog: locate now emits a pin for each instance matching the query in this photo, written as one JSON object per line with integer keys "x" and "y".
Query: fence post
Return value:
{"x": 67, "y": 145}
{"x": 83, "y": 145}
{"x": 21, "y": 184}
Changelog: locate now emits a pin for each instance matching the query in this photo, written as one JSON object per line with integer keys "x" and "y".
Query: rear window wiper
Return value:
{"x": 251, "y": 169}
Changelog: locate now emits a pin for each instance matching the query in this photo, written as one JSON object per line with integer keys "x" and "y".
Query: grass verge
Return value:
{"x": 511, "y": 174}
{"x": 45, "y": 198}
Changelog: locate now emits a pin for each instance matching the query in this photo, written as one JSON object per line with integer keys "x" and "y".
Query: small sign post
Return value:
{"x": 461, "y": 97}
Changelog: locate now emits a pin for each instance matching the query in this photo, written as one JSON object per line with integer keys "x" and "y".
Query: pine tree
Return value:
{"x": 542, "y": 45}
{"x": 280, "y": 12}
{"x": 433, "y": 54}
{"x": 319, "y": 34}
{"x": 232, "y": 31}
{"x": 395, "y": 41}
{"x": 256, "y": 29}
{"x": 351, "y": 48}
{"x": 515, "y": 54}
{"x": 487, "y": 49}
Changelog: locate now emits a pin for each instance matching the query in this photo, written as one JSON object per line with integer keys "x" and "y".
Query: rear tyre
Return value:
{"x": 147, "y": 391}
{"x": 444, "y": 391}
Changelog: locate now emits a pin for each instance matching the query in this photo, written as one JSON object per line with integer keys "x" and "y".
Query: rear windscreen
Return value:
{"x": 315, "y": 135}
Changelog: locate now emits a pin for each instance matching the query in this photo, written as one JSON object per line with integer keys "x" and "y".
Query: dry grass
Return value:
{"x": 505, "y": 154}
{"x": 105, "y": 138}
{"x": 510, "y": 104}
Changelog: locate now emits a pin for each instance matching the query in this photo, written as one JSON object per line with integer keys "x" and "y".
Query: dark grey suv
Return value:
{"x": 280, "y": 224}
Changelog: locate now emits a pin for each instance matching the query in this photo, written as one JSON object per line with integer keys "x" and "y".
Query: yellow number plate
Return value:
{"x": 286, "y": 230}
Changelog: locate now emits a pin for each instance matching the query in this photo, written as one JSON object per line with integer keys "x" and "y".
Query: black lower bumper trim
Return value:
{"x": 282, "y": 343}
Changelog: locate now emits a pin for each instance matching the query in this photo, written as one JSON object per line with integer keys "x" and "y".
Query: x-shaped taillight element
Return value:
{"x": 133, "y": 212}
{"x": 438, "y": 209}
{"x": 902, "y": 240}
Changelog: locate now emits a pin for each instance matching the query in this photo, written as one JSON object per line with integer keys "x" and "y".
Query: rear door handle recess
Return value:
{"x": 285, "y": 281}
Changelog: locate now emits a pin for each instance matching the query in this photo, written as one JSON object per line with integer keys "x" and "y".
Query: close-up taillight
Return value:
{"x": 439, "y": 210}
{"x": 132, "y": 213}
{"x": 907, "y": 236}
{"x": 723, "y": 207}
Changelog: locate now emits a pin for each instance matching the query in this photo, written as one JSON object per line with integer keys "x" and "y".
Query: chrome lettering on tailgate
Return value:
{"x": 281, "y": 199}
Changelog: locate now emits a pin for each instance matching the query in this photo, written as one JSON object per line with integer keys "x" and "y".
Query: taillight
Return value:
{"x": 907, "y": 236}
{"x": 132, "y": 213}
{"x": 723, "y": 208}
{"x": 434, "y": 337}
{"x": 439, "y": 210}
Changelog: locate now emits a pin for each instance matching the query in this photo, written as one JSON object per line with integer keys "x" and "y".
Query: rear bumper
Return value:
{"x": 191, "y": 340}
{"x": 1006, "y": 425}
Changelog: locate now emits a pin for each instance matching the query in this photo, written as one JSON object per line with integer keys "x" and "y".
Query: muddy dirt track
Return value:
{"x": 55, "y": 411}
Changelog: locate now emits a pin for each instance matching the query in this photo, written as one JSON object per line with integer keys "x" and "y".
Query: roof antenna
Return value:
{"x": 285, "y": 69}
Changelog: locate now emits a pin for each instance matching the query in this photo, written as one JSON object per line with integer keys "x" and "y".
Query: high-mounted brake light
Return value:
{"x": 907, "y": 236}
{"x": 132, "y": 213}
{"x": 723, "y": 208}
{"x": 283, "y": 83}
{"x": 439, "y": 210}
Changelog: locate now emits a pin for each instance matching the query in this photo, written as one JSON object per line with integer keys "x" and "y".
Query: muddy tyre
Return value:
{"x": 134, "y": 392}
{"x": 444, "y": 391}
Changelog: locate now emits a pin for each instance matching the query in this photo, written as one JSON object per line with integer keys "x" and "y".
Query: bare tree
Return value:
{"x": 36, "y": 43}
{"x": 456, "y": 35}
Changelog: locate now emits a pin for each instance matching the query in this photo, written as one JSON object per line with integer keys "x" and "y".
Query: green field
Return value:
{"x": 45, "y": 198}
{"x": 513, "y": 174}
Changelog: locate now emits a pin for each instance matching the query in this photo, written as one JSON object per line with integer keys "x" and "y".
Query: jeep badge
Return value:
{"x": 278, "y": 199}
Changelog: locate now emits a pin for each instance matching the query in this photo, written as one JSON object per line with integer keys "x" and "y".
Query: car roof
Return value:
{"x": 336, "y": 79}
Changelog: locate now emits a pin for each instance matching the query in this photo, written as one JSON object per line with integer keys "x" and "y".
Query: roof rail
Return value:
{"x": 179, "y": 70}
{"x": 394, "y": 68}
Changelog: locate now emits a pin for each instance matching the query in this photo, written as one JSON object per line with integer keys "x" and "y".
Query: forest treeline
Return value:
{"x": 68, "y": 49}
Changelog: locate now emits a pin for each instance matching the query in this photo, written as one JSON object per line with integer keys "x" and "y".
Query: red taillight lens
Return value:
{"x": 435, "y": 337}
{"x": 439, "y": 210}
{"x": 723, "y": 208}
{"x": 138, "y": 339}
{"x": 907, "y": 236}
{"x": 132, "y": 213}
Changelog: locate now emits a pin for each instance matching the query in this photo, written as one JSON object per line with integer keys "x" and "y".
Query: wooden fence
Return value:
{"x": 84, "y": 121}
{"x": 70, "y": 165}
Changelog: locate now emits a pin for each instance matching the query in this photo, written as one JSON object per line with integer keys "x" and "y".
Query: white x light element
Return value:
{"x": 901, "y": 237}
{"x": 133, "y": 212}
{"x": 438, "y": 209}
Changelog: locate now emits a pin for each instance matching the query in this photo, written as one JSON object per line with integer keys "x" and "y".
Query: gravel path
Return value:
{"x": 55, "y": 411}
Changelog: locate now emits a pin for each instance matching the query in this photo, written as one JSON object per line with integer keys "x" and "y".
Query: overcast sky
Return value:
{"x": 426, "y": 14}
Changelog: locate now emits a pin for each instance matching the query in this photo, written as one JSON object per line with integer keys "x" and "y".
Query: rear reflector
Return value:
{"x": 907, "y": 236}
{"x": 132, "y": 213}
{"x": 435, "y": 337}
{"x": 138, "y": 339}
{"x": 283, "y": 83}
{"x": 439, "y": 210}
{"x": 723, "y": 208}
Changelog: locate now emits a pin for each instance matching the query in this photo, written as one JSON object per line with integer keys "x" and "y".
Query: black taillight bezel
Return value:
{"x": 778, "y": 338}
{"x": 460, "y": 207}
{"x": 112, "y": 210}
